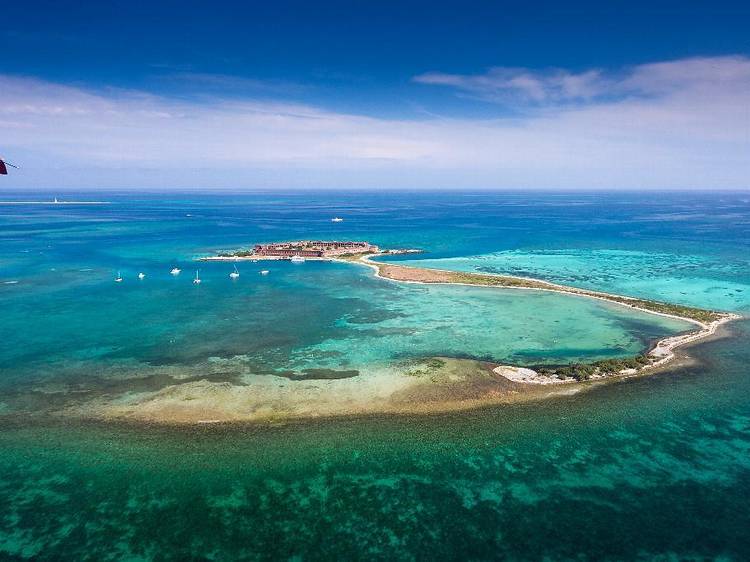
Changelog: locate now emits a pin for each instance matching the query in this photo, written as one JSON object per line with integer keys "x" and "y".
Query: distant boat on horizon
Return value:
{"x": 337, "y": 219}
{"x": 297, "y": 259}
{"x": 55, "y": 201}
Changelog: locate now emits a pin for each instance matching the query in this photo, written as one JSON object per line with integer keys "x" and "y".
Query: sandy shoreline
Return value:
{"x": 662, "y": 353}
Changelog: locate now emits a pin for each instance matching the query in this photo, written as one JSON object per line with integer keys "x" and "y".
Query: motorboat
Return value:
{"x": 175, "y": 271}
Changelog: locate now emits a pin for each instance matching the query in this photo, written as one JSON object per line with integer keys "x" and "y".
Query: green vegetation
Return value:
{"x": 610, "y": 366}
{"x": 237, "y": 254}
{"x": 699, "y": 314}
{"x": 577, "y": 371}
{"x": 584, "y": 371}
{"x": 493, "y": 280}
{"x": 693, "y": 313}
{"x": 353, "y": 257}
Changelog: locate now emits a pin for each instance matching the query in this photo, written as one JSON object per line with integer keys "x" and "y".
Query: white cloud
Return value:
{"x": 555, "y": 86}
{"x": 511, "y": 85}
{"x": 675, "y": 124}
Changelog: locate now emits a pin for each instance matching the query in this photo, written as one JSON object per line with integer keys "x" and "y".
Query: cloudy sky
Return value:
{"x": 374, "y": 95}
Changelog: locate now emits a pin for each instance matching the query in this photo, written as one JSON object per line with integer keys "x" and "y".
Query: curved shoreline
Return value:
{"x": 660, "y": 355}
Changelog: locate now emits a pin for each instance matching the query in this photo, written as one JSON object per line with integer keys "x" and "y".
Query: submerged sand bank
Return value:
{"x": 428, "y": 386}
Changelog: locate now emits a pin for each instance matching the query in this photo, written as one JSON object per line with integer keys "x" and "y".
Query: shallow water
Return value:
{"x": 654, "y": 467}
{"x": 675, "y": 278}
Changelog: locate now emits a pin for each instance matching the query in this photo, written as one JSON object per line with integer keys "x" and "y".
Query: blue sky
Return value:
{"x": 378, "y": 94}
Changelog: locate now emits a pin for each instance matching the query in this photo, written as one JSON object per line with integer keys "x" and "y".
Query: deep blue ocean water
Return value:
{"x": 655, "y": 468}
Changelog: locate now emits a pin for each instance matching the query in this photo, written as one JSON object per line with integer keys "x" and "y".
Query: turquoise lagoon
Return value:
{"x": 642, "y": 469}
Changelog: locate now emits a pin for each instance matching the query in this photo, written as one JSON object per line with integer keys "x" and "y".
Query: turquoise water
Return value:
{"x": 653, "y": 468}
{"x": 679, "y": 278}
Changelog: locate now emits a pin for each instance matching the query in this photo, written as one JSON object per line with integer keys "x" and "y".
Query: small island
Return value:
{"x": 362, "y": 252}
{"x": 305, "y": 249}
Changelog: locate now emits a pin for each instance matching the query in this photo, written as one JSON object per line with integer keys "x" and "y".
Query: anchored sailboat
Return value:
{"x": 118, "y": 279}
{"x": 197, "y": 279}
{"x": 235, "y": 274}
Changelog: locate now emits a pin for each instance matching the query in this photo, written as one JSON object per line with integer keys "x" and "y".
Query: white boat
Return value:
{"x": 235, "y": 274}
{"x": 264, "y": 272}
{"x": 297, "y": 259}
{"x": 337, "y": 219}
{"x": 175, "y": 271}
{"x": 118, "y": 279}
{"x": 141, "y": 275}
{"x": 197, "y": 280}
